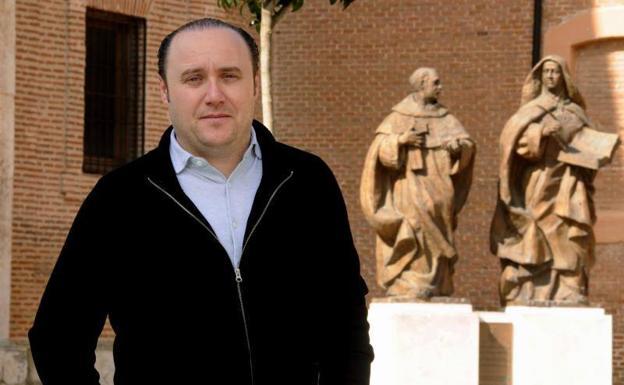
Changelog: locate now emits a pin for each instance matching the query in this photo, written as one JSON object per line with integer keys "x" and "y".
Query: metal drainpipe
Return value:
{"x": 537, "y": 31}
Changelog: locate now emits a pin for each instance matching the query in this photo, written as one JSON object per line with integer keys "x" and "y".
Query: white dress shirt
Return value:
{"x": 224, "y": 202}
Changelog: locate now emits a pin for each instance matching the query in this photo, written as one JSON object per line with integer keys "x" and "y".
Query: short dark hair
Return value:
{"x": 201, "y": 24}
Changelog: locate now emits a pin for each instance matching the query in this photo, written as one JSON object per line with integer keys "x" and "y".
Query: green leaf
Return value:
{"x": 345, "y": 3}
{"x": 227, "y": 4}
{"x": 297, "y": 4}
{"x": 255, "y": 8}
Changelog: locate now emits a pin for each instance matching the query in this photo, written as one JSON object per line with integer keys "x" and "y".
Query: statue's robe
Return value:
{"x": 411, "y": 196}
{"x": 542, "y": 226}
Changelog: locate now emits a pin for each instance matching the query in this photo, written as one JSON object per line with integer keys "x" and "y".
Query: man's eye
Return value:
{"x": 193, "y": 79}
{"x": 230, "y": 76}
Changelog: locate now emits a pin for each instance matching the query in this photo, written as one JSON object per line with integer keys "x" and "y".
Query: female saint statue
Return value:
{"x": 542, "y": 226}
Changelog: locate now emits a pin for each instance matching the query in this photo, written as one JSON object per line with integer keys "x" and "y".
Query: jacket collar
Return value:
{"x": 275, "y": 169}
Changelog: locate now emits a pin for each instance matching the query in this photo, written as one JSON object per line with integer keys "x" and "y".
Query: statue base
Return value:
{"x": 446, "y": 342}
{"x": 411, "y": 299}
{"x": 424, "y": 342}
{"x": 561, "y": 345}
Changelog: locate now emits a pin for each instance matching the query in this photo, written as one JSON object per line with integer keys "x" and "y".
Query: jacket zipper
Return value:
{"x": 184, "y": 208}
{"x": 239, "y": 281}
{"x": 265, "y": 209}
{"x": 237, "y": 272}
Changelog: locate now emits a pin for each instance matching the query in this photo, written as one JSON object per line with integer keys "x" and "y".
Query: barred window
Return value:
{"x": 114, "y": 90}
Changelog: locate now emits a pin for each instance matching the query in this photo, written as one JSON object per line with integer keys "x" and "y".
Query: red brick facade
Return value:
{"x": 336, "y": 75}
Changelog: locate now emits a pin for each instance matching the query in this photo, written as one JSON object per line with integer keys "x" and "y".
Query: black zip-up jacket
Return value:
{"x": 141, "y": 253}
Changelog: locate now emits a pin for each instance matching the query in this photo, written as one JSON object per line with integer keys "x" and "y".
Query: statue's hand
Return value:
{"x": 551, "y": 127}
{"x": 453, "y": 146}
{"x": 412, "y": 138}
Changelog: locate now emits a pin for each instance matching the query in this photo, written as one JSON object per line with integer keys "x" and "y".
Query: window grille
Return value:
{"x": 114, "y": 90}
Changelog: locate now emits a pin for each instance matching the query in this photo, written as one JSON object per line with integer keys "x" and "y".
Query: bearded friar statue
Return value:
{"x": 542, "y": 227}
{"x": 416, "y": 178}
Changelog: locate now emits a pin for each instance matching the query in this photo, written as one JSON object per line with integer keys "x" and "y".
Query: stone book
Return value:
{"x": 590, "y": 149}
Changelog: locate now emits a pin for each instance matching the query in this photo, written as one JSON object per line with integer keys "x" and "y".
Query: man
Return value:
{"x": 416, "y": 178}
{"x": 542, "y": 228}
{"x": 220, "y": 257}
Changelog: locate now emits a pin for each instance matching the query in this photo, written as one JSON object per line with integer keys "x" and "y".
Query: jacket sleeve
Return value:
{"x": 346, "y": 352}
{"x": 73, "y": 308}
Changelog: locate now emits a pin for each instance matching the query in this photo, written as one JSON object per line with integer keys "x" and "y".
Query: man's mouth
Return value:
{"x": 214, "y": 116}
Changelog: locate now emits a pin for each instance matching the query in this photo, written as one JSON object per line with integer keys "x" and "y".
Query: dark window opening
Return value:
{"x": 114, "y": 90}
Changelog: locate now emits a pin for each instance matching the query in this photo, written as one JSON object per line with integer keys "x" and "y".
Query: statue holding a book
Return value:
{"x": 542, "y": 229}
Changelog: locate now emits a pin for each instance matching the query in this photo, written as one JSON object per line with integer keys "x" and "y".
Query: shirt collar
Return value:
{"x": 255, "y": 147}
{"x": 180, "y": 158}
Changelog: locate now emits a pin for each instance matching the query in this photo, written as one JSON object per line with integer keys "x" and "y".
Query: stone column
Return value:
{"x": 7, "y": 139}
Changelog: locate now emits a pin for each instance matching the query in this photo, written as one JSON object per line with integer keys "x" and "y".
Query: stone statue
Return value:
{"x": 415, "y": 181}
{"x": 542, "y": 226}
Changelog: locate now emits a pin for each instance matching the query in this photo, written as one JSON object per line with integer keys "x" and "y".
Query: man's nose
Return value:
{"x": 214, "y": 94}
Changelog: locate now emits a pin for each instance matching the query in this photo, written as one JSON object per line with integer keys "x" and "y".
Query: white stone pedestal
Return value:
{"x": 561, "y": 346}
{"x": 424, "y": 343}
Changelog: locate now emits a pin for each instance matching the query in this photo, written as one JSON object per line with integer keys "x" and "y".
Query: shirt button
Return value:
{"x": 234, "y": 224}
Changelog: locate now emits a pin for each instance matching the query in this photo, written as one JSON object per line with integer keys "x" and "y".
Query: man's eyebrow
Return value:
{"x": 230, "y": 69}
{"x": 191, "y": 71}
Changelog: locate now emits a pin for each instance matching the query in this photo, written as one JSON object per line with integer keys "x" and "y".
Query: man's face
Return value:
{"x": 210, "y": 90}
{"x": 432, "y": 86}
{"x": 551, "y": 76}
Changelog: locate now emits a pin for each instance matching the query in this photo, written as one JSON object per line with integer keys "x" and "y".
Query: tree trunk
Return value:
{"x": 266, "y": 30}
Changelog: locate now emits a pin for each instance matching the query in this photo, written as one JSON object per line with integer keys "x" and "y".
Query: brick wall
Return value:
{"x": 600, "y": 69}
{"x": 336, "y": 75}
{"x": 48, "y": 118}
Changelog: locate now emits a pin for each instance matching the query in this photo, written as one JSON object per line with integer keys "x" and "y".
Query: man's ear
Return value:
{"x": 257, "y": 84}
{"x": 164, "y": 92}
